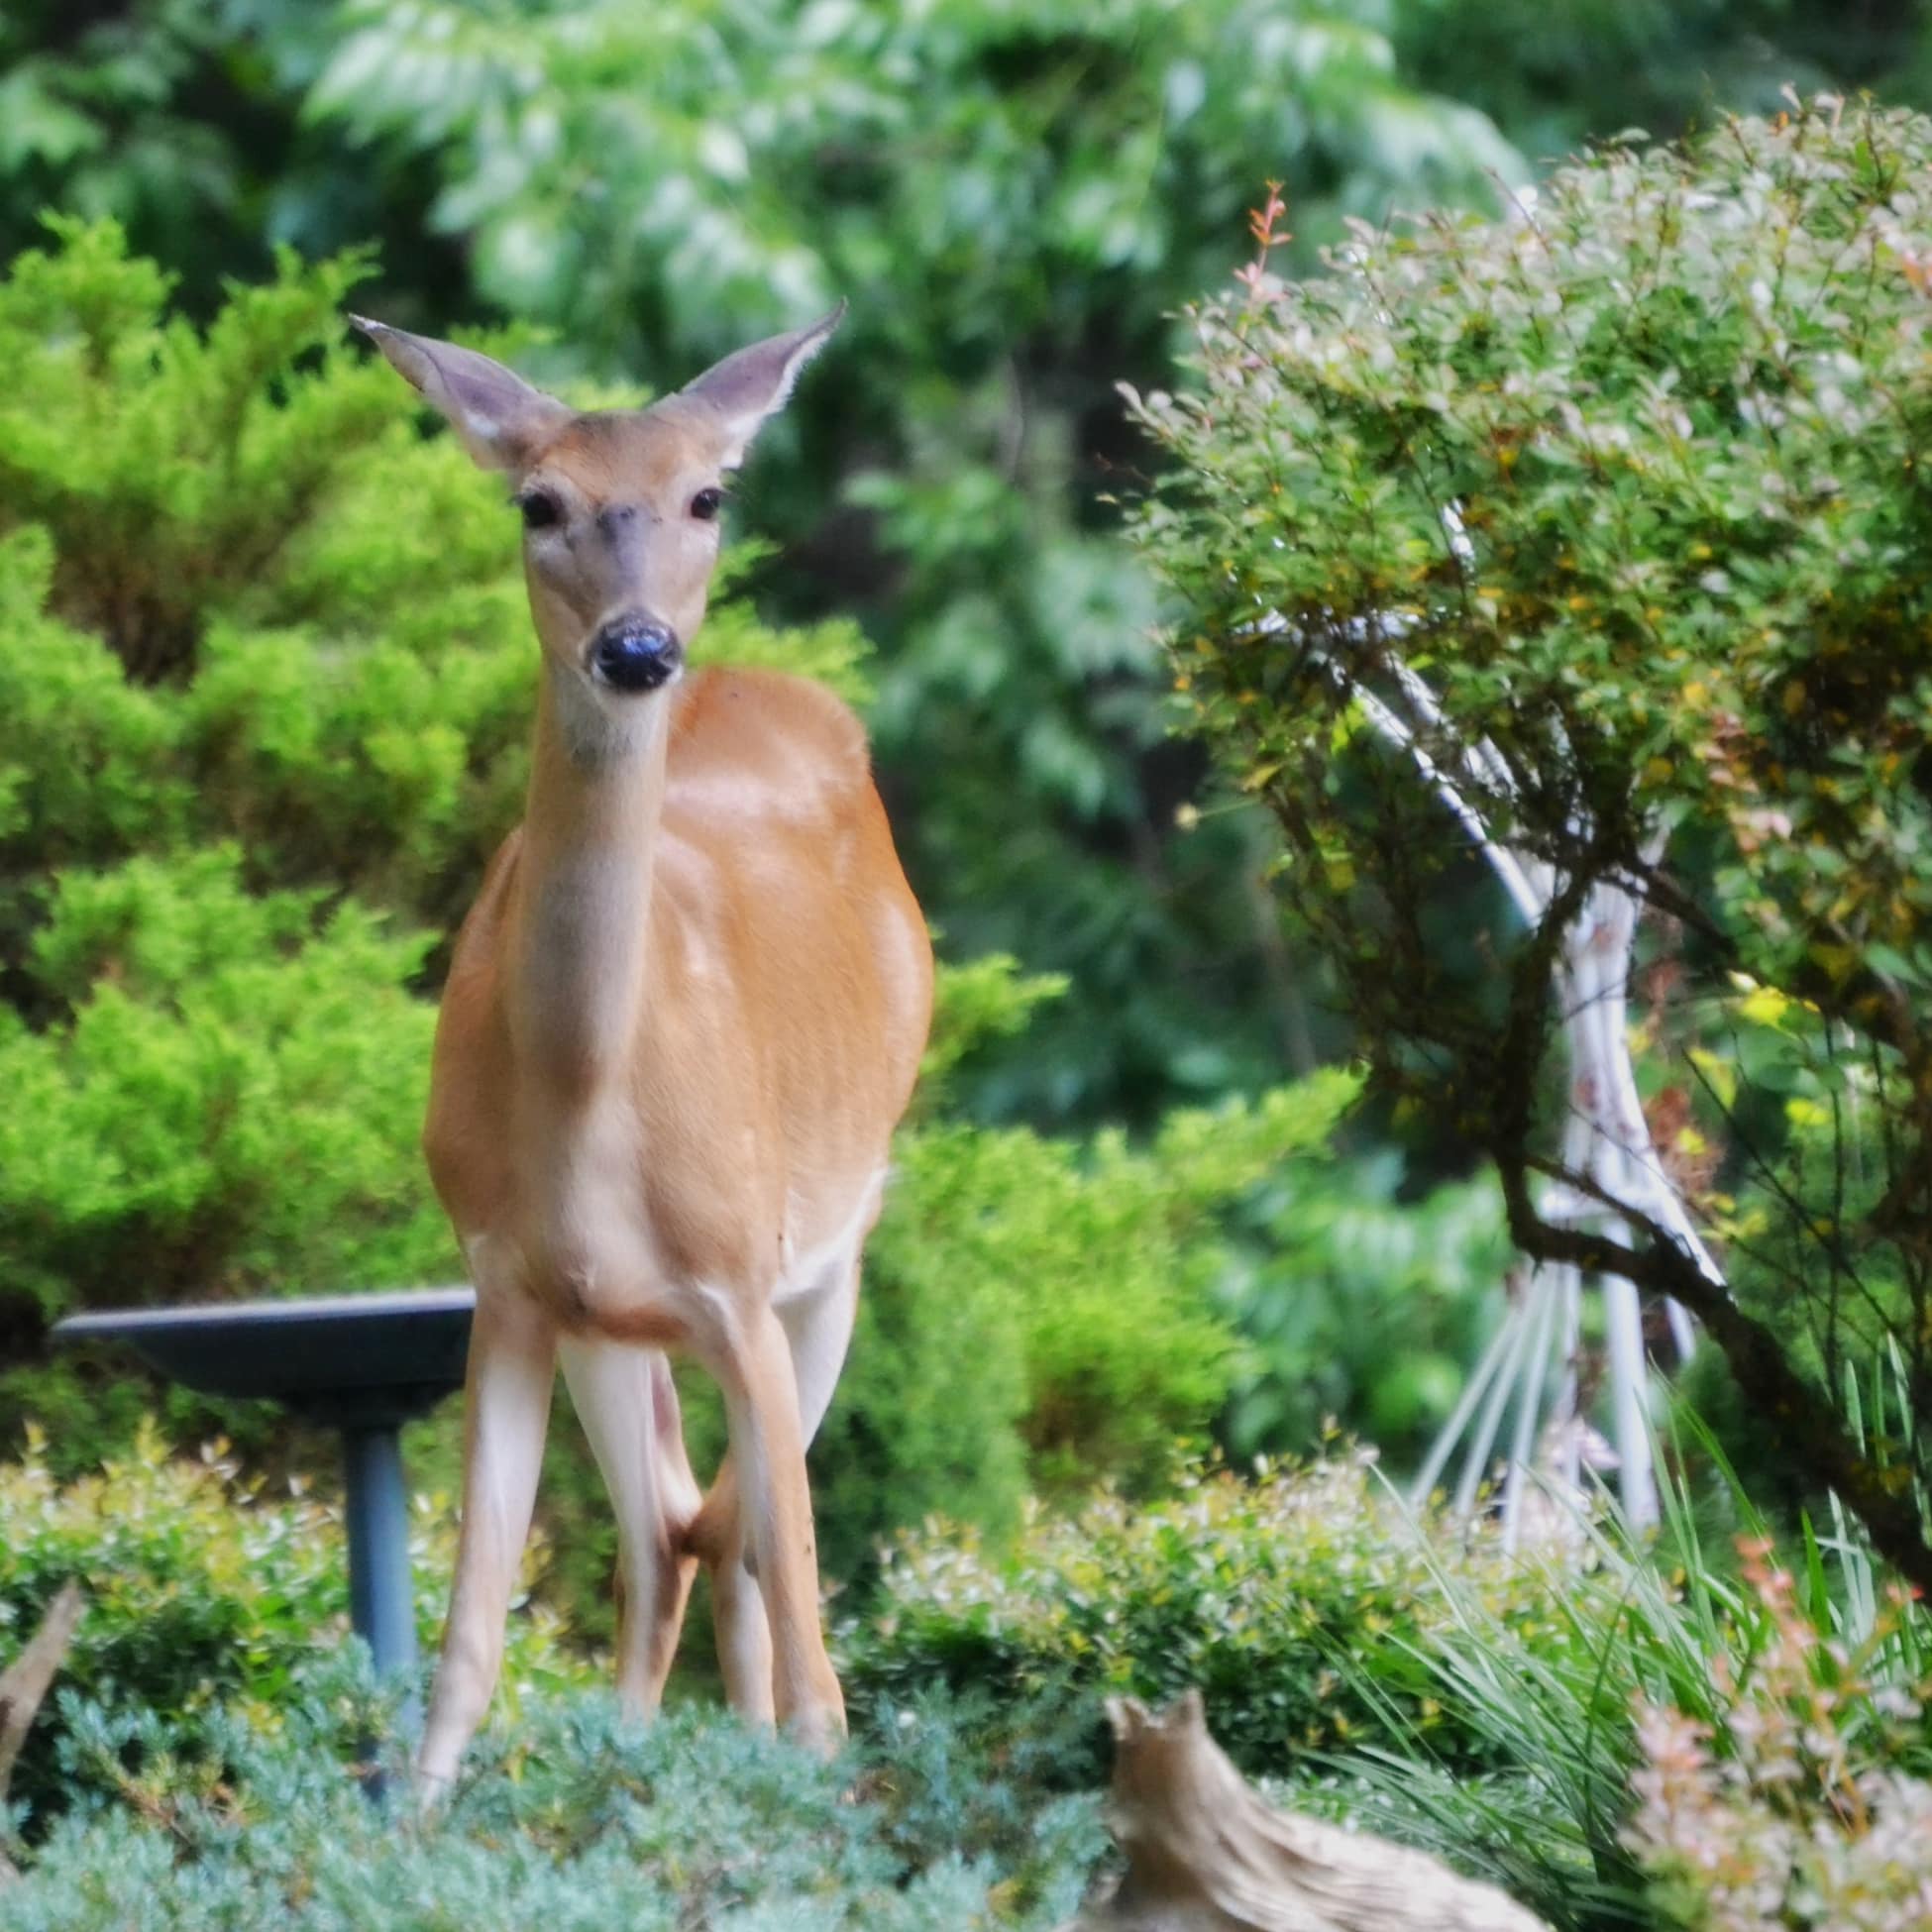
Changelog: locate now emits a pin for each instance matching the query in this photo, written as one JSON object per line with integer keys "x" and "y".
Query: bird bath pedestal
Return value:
{"x": 361, "y": 1365}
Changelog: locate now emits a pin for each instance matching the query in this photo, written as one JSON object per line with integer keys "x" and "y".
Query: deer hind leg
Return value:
{"x": 506, "y": 1405}
{"x": 754, "y": 1371}
{"x": 818, "y": 1330}
{"x": 626, "y": 1399}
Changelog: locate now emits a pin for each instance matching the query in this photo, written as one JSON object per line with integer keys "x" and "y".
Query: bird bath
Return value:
{"x": 361, "y": 1365}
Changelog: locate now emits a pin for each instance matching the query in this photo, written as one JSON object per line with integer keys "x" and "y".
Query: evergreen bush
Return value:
{"x": 578, "y": 1821}
{"x": 207, "y": 1592}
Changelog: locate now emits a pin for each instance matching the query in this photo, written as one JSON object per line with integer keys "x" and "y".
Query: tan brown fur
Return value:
{"x": 680, "y": 1023}
{"x": 774, "y": 853}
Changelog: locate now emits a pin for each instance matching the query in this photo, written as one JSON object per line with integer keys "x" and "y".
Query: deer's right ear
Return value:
{"x": 500, "y": 418}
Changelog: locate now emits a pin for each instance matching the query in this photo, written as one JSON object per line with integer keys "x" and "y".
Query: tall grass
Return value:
{"x": 1667, "y": 1621}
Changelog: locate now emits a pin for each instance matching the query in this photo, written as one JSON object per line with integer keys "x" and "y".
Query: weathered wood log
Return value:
{"x": 1206, "y": 1853}
{"x": 25, "y": 1684}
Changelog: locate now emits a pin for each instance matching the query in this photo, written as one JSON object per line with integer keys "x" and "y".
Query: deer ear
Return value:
{"x": 499, "y": 417}
{"x": 747, "y": 387}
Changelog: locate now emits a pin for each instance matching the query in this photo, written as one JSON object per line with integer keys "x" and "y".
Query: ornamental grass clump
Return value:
{"x": 1615, "y": 506}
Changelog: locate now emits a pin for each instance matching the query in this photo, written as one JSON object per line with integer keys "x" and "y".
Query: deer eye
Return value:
{"x": 704, "y": 505}
{"x": 541, "y": 510}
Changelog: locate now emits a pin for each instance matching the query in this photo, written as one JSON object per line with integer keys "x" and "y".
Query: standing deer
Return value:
{"x": 682, "y": 1021}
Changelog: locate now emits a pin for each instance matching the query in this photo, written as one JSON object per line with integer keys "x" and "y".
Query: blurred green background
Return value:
{"x": 265, "y": 674}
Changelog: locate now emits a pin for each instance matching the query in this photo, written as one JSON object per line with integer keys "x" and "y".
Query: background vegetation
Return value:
{"x": 264, "y": 676}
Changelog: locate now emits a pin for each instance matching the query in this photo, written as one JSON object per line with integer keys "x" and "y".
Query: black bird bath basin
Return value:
{"x": 362, "y": 1364}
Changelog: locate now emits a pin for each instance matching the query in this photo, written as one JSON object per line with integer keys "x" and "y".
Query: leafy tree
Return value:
{"x": 1620, "y": 505}
{"x": 183, "y": 122}
{"x": 1552, "y": 75}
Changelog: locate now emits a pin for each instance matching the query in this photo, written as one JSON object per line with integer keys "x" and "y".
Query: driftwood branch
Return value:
{"x": 1206, "y": 1853}
{"x": 25, "y": 1683}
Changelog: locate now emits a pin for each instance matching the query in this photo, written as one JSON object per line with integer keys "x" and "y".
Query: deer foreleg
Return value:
{"x": 761, "y": 1398}
{"x": 512, "y": 1363}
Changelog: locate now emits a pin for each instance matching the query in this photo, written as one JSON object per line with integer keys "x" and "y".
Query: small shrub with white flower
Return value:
{"x": 1809, "y": 1804}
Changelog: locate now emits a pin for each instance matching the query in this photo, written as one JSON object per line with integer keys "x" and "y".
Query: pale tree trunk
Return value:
{"x": 1607, "y": 1146}
{"x": 1206, "y": 1853}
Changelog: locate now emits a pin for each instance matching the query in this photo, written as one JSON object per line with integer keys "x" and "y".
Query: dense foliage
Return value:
{"x": 264, "y": 731}
{"x": 1618, "y": 503}
{"x": 1275, "y": 1598}
{"x": 1527, "y": 1719}
{"x": 1614, "y": 1735}
{"x": 1015, "y": 201}
{"x": 207, "y": 1592}
{"x": 577, "y": 1822}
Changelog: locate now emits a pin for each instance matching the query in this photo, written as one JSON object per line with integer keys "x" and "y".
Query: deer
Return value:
{"x": 679, "y": 1025}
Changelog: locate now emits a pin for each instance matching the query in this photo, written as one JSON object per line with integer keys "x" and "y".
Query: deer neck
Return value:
{"x": 591, "y": 834}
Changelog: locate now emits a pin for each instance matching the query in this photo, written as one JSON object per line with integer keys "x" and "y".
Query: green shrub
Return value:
{"x": 206, "y": 1591}
{"x": 1267, "y": 1595}
{"x": 1097, "y": 1267}
{"x": 577, "y": 1821}
{"x": 1603, "y": 1730}
{"x": 1615, "y": 506}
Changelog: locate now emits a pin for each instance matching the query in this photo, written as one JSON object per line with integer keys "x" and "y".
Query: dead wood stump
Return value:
{"x": 1206, "y": 1853}
{"x": 25, "y": 1683}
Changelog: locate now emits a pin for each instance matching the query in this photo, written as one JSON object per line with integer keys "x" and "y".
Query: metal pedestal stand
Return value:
{"x": 361, "y": 1365}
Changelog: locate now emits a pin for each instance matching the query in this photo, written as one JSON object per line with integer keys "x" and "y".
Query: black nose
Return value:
{"x": 636, "y": 654}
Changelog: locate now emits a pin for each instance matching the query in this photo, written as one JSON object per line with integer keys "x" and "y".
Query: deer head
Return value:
{"x": 619, "y": 506}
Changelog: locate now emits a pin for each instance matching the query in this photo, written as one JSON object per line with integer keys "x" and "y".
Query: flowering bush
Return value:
{"x": 1807, "y": 1806}
{"x": 1295, "y": 1602}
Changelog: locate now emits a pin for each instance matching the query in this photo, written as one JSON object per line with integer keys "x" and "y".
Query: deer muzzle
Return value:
{"x": 635, "y": 654}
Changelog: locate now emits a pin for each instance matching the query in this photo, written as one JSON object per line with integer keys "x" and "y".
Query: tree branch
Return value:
{"x": 1757, "y": 1357}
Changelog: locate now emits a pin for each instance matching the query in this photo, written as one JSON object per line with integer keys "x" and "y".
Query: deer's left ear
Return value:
{"x": 500, "y": 418}
{"x": 747, "y": 387}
